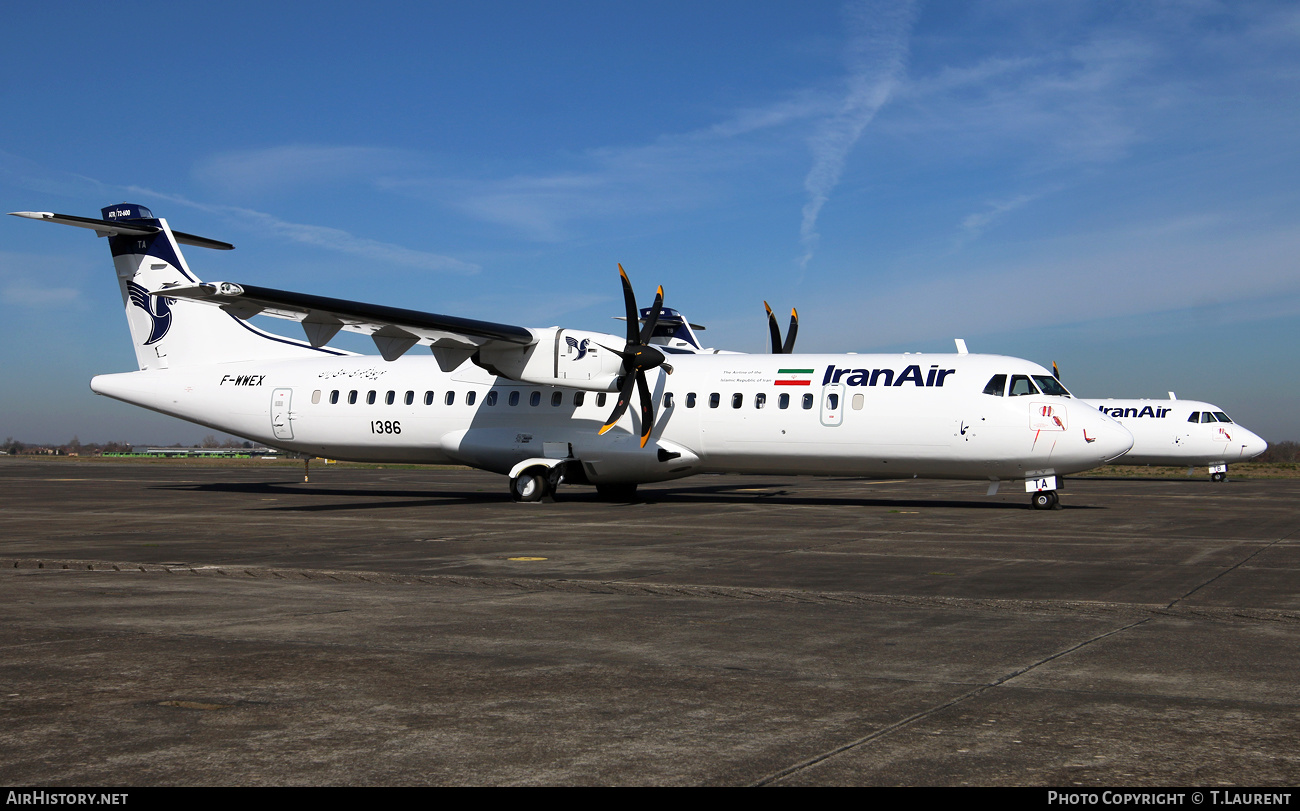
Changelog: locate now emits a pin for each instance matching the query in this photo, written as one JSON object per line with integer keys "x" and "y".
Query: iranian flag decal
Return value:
{"x": 793, "y": 377}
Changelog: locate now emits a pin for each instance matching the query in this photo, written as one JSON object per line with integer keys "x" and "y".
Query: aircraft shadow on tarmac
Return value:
{"x": 363, "y": 498}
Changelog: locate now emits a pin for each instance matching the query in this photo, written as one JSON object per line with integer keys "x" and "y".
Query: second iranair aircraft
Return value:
{"x": 1182, "y": 432}
{"x": 546, "y": 406}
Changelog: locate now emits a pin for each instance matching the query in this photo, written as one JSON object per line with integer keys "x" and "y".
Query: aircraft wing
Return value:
{"x": 393, "y": 329}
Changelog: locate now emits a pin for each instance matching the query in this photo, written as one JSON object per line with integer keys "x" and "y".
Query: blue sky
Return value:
{"x": 1113, "y": 186}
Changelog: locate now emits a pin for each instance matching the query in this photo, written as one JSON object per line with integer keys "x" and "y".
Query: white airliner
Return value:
{"x": 1182, "y": 432}
{"x": 549, "y": 405}
{"x": 1165, "y": 432}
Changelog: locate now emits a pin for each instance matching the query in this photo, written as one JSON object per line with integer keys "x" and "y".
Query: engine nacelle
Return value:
{"x": 561, "y": 357}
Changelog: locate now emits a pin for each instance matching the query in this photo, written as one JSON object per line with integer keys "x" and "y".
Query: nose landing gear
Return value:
{"x": 1045, "y": 500}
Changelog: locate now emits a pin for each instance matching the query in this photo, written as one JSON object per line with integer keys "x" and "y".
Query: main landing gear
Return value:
{"x": 531, "y": 485}
{"x": 533, "y": 482}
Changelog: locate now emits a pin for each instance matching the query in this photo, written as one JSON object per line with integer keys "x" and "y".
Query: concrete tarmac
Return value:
{"x": 195, "y": 625}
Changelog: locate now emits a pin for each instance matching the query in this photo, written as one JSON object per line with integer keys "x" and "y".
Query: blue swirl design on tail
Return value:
{"x": 158, "y": 308}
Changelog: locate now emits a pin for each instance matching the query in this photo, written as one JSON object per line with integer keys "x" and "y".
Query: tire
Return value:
{"x": 1043, "y": 500}
{"x": 528, "y": 486}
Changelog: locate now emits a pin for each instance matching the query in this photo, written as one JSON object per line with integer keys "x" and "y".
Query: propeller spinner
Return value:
{"x": 638, "y": 357}
{"x": 779, "y": 348}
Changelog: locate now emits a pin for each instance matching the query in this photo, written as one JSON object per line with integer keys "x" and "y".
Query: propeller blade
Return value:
{"x": 624, "y": 395}
{"x": 773, "y": 330}
{"x": 652, "y": 319}
{"x": 638, "y": 356}
{"x": 647, "y": 407}
{"x": 629, "y": 302}
{"x": 788, "y": 348}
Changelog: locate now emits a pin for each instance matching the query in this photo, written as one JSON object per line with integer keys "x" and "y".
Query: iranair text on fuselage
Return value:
{"x": 1157, "y": 412}
{"x": 912, "y": 374}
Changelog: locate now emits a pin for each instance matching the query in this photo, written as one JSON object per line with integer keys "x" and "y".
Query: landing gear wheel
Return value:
{"x": 529, "y": 486}
{"x": 616, "y": 492}
{"x": 1045, "y": 500}
{"x": 1218, "y": 477}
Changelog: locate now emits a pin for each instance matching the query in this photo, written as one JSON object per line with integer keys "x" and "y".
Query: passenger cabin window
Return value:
{"x": 352, "y": 397}
{"x": 370, "y": 397}
{"x": 760, "y": 400}
{"x": 315, "y": 397}
{"x": 334, "y": 397}
{"x": 514, "y": 398}
{"x": 1021, "y": 384}
{"x": 578, "y": 398}
{"x": 997, "y": 385}
{"x": 807, "y": 401}
{"x": 690, "y": 399}
{"x": 492, "y": 398}
{"x": 715, "y": 400}
{"x": 557, "y": 397}
{"x": 832, "y": 401}
{"x": 450, "y": 399}
{"x": 390, "y": 397}
{"x": 410, "y": 397}
{"x": 857, "y": 402}
{"x": 428, "y": 398}
{"x": 535, "y": 399}
{"x": 737, "y": 400}
{"x": 668, "y": 399}
{"x": 469, "y": 398}
{"x": 783, "y": 401}
{"x": 600, "y": 400}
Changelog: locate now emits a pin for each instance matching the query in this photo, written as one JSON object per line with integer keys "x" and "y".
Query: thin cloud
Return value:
{"x": 320, "y": 236}
{"x": 974, "y": 224}
{"x": 281, "y": 168}
{"x": 23, "y": 295}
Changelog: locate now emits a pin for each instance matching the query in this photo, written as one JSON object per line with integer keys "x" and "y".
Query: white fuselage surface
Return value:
{"x": 865, "y": 415}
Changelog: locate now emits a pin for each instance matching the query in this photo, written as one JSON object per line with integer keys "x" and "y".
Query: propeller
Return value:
{"x": 638, "y": 357}
{"x": 779, "y": 348}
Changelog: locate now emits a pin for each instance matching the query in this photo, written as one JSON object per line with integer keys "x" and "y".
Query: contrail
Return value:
{"x": 876, "y": 57}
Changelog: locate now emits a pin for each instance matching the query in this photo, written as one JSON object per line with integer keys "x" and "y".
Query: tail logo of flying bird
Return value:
{"x": 158, "y": 309}
{"x": 581, "y": 347}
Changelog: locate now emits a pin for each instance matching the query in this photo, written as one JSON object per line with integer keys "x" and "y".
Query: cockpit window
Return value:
{"x": 997, "y": 385}
{"x": 1195, "y": 417}
{"x": 1021, "y": 384}
{"x": 1051, "y": 385}
{"x": 1221, "y": 416}
{"x": 1206, "y": 417}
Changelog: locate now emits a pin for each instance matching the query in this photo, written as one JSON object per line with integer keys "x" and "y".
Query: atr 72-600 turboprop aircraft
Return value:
{"x": 1165, "y": 432}
{"x": 532, "y": 403}
{"x": 1182, "y": 432}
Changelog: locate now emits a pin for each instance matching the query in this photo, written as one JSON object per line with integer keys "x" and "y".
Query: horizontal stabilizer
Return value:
{"x": 109, "y": 228}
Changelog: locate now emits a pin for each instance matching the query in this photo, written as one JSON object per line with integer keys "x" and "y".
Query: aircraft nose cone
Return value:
{"x": 1113, "y": 440}
{"x": 1252, "y": 446}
